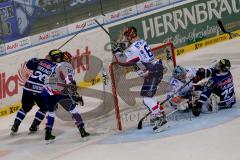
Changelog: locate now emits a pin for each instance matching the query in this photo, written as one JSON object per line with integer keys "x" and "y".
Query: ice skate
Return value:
{"x": 83, "y": 133}
{"x": 160, "y": 124}
{"x": 49, "y": 138}
{"x": 33, "y": 129}
{"x": 152, "y": 121}
{"x": 14, "y": 129}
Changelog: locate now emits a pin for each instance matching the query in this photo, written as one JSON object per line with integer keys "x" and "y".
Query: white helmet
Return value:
{"x": 179, "y": 73}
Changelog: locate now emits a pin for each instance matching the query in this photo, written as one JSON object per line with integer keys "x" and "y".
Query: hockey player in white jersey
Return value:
{"x": 140, "y": 56}
{"x": 61, "y": 86}
{"x": 181, "y": 76}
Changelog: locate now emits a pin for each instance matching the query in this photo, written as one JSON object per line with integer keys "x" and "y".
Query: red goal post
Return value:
{"x": 120, "y": 73}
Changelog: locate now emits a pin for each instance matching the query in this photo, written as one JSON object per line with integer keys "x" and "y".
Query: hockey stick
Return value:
{"x": 142, "y": 119}
{"x": 224, "y": 30}
{"x": 100, "y": 25}
{"x": 73, "y": 36}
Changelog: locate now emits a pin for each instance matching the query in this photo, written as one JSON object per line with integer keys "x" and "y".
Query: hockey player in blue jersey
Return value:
{"x": 219, "y": 86}
{"x": 41, "y": 68}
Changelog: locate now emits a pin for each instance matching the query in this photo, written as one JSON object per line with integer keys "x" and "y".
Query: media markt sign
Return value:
{"x": 187, "y": 23}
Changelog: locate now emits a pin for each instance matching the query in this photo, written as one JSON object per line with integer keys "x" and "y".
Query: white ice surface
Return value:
{"x": 209, "y": 137}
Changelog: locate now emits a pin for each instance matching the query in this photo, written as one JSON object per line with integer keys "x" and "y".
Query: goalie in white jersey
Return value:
{"x": 181, "y": 76}
{"x": 139, "y": 55}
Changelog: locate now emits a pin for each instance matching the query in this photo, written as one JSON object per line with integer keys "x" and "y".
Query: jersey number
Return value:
{"x": 227, "y": 93}
{"x": 39, "y": 75}
{"x": 148, "y": 50}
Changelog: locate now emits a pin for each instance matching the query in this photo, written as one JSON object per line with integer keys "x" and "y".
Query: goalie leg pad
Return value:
{"x": 213, "y": 102}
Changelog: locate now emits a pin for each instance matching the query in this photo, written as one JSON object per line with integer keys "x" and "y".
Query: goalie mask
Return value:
{"x": 179, "y": 73}
{"x": 55, "y": 55}
{"x": 223, "y": 65}
{"x": 130, "y": 33}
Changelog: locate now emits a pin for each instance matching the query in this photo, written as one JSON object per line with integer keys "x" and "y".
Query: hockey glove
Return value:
{"x": 71, "y": 88}
{"x": 78, "y": 99}
{"x": 118, "y": 47}
{"x": 196, "y": 110}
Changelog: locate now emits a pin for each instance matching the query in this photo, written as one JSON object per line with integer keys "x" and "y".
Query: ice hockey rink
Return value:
{"x": 210, "y": 137}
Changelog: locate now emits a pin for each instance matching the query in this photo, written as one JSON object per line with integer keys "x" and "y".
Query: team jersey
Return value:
{"x": 62, "y": 75}
{"x": 222, "y": 86}
{"x": 176, "y": 84}
{"x": 139, "y": 51}
{"x": 42, "y": 68}
{"x": 140, "y": 54}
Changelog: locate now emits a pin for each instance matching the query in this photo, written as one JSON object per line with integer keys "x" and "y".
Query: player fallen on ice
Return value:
{"x": 219, "y": 88}
{"x": 180, "y": 76}
{"x": 41, "y": 68}
{"x": 60, "y": 86}
{"x": 139, "y": 55}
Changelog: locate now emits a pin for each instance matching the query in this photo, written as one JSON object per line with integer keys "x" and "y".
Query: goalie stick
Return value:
{"x": 142, "y": 119}
{"x": 224, "y": 30}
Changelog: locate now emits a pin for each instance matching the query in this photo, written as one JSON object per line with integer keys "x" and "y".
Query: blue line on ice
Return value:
{"x": 176, "y": 127}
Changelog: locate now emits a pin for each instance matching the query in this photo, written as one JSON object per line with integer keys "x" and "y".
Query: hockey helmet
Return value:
{"x": 179, "y": 73}
{"x": 223, "y": 65}
{"x": 67, "y": 57}
{"x": 55, "y": 54}
{"x": 130, "y": 33}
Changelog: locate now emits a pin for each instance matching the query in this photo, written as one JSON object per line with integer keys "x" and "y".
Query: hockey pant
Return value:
{"x": 151, "y": 82}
